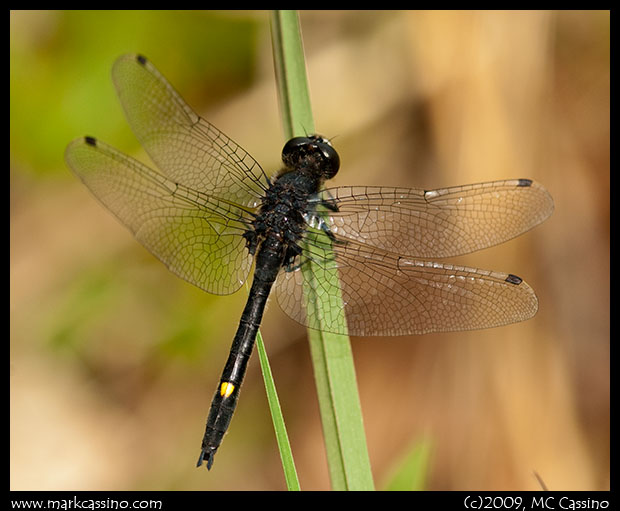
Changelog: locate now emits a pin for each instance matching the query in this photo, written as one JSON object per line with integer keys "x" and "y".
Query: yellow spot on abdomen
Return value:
{"x": 226, "y": 389}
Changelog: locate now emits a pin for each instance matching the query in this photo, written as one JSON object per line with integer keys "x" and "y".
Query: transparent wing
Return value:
{"x": 197, "y": 236}
{"x": 386, "y": 294}
{"x": 187, "y": 149}
{"x": 437, "y": 223}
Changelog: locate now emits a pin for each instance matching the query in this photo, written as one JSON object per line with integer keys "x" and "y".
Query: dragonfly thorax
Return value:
{"x": 281, "y": 215}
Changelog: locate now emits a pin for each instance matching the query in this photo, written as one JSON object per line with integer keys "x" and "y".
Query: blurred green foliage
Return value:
{"x": 60, "y": 63}
{"x": 412, "y": 472}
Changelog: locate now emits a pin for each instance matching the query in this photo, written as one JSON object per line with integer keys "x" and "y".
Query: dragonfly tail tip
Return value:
{"x": 207, "y": 457}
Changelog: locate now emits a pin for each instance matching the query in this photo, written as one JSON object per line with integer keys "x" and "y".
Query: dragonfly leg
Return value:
{"x": 292, "y": 252}
{"x": 251, "y": 241}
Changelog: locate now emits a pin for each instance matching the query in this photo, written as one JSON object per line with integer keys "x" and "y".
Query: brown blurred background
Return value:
{"x": 114, "y": 360}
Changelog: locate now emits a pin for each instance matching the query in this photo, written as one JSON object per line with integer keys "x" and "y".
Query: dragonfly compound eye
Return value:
{"x": 313, "y": 152}
{"x": 331, "y": 159}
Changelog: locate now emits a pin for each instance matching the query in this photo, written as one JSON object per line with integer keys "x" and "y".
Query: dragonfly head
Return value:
{"x": 314, "y": 154}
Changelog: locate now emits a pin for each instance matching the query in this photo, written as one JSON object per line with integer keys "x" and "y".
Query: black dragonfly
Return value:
{"x": 210, "y": 211}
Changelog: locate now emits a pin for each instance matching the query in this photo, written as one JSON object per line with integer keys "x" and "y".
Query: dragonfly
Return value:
{"x": 209, "y": 212}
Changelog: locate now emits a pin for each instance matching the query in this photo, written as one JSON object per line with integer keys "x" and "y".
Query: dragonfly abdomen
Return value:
{"x": 269, "y": 260}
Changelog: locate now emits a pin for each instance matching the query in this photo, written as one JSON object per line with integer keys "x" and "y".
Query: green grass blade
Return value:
{"x": 345, "y": 440}
{"x": 290, "y": 66}
{"x": 288, "y": 464}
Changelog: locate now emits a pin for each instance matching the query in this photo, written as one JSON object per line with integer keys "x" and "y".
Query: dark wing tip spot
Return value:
{"x": 91, "y": 141}
{"x": 513, "y": 279}
{"x": 524, "y": 182}
{"x": 141, "y": 59}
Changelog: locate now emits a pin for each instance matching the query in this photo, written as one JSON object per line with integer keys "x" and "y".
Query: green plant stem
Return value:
{"x": 345, "y": 441}
{"x": 288, "y": 464}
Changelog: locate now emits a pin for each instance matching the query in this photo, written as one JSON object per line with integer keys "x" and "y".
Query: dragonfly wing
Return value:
{"x": 183, "y": 145}
{"x": 385, "y": 294}
{"x": 437, "y": 223}
{"x": 197, "y": 236}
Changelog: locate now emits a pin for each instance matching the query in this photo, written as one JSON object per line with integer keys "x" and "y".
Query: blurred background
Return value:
{"x": 114, "y": 360}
